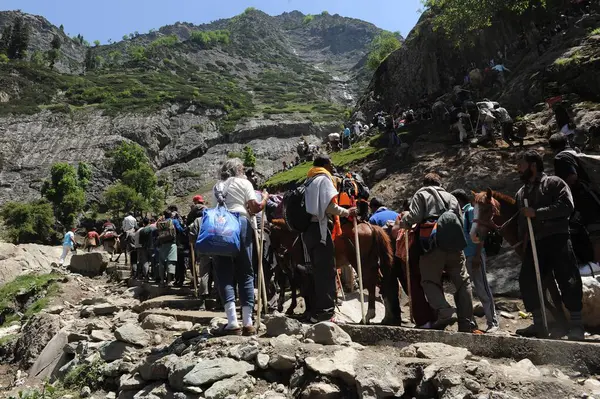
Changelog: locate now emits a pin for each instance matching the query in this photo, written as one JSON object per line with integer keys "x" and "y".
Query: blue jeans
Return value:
{"x": 238, "y": 269}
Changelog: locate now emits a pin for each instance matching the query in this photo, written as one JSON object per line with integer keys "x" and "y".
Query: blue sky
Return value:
{"x": 111, "y": 19}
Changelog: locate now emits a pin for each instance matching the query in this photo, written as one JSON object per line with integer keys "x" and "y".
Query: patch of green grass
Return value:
{"x": 48, "y": 391}
{"x": 8, "y": 338}
{"x": 86, "y": 374}
{"x": 358, "y": 152}
{"x": 28, "y": 283}
{"x": 566, "y": 62}
{"x": 595, "y": 32}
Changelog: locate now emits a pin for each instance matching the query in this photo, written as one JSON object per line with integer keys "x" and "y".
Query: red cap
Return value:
{"x": 198, "y": 199}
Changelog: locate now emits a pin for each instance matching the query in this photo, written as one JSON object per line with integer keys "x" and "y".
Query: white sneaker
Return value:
{"x": 492, "y": 329}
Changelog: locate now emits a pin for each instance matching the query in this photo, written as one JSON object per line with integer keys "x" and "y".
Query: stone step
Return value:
{"x": 202, "y": 317}
{"x": 149, "y": 289}
{"x": 580, "y": 356}
{"x": 177, "y": 302}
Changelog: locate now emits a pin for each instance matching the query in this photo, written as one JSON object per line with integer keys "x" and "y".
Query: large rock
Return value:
{"x": 340, "y": 365}
{"x": 89, "y": 264}
{"x": 157, "y": 367}
{"x": 435, "y": 350}
{"x": 101, "y": 335}
{"x": 132, "y": 334}
{"x": 157, "y": 322}
{"x": 322, "y": 390}
{"x": 215, "y": 370}
{"x": 16, "y": 260}
{"x": 114, "y": 350}
{"x": 279, "y": 324}
{"x": 282, "y": 362}
{"x": 51, "y": 359}
{"x": 591, "y": 302}
{"x": 131, "y": 382}
{"x": 178, "y": 369}
{"x": 373, "y": 386}
{"x": 35, "y": 335}
{"x": 327, "y": 333}
{"x": 229, "y": 387}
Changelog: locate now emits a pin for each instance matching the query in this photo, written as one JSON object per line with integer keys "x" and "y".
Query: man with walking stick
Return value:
{"x": 545, "y": 205}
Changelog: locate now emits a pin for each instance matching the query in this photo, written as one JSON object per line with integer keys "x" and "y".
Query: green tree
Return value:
{"x": 96, "y": 43}
{"x": 382, "y": 45}
{"x": 143, "y": 180}
{"x": 29, "y": 222}
{"x": 64, "y": 191}
{"x": 137, "y": 53}
{"x": 54, "y": 53}
{"x": 125, "y": 37}
{"x": 308, "y": 19}
{"x": 127, "y": 156}
{"x": 120, "y": 198}
{"x": 37, "y": 58}
{"x": 459, "y": 19}
{"x": 84, "y": 174}
{"x": 90, "y": 60}
{"x": 324, "y": 13}
{"x": 249, "y": 158}
{"x": 114, "y": 57}
{"x": 62, "y": 28}
{"x": 19, "y": 40}
{"x": 5, "y": 39}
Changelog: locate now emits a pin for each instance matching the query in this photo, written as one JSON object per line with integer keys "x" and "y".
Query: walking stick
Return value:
{"x": 410, "y": 307}
{"x": 261, "y": 277}
{"x": 194, "y": 271}
{"x": 359, "y": 267}
{"x": 536, "y": 264}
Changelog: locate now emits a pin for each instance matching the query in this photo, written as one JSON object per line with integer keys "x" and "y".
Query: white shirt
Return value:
{"x": 129, "y": 223}
{"x": 318, "y": 195}
{"x": 238, "y": 191}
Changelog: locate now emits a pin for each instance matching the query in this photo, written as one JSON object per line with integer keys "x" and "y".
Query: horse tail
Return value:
{"x": 384, "y": 248}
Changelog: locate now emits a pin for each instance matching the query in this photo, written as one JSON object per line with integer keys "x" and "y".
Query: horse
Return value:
{"x": 495, "y": 211}
{"x": 376, "y": 256}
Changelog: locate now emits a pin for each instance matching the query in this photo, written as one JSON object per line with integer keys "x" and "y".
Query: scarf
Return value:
{"x": 337, "y": 227}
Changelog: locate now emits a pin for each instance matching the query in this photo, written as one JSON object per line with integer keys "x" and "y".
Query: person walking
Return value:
{"x": 586, "y": 197}
{"x": 426, "y": 206}
{"x": 167, "y": 229}
{"x": 380, "y": 215}
{"x": 476, "y": 263}
{"x": 507, "y": 126}
{"x": 550, "y": 206}
{"x": 141, "y": 247}
{"x": 320, "y": 200}
{"x": 237, "y": 194}
{"x": 92, "y": 240}
{"x": 68, "y": 244}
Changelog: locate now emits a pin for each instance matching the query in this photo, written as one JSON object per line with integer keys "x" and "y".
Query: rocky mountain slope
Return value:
{"x": 190, "y": 95}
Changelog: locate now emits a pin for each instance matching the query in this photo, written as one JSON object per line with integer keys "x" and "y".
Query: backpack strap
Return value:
{"x": 220, "y": 191}
{"x": 436, "y": 194}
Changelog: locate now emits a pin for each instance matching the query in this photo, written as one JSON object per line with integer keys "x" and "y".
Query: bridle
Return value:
{"x": 490, "y": 224}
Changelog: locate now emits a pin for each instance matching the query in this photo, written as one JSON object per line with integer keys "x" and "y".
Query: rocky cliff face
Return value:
{"x": 190, "y": 105}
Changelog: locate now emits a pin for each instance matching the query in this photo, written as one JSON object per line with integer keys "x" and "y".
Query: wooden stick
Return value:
{"x": 536, "y": 264}
{"x": 261, "y": 278}
{"x": 194, "y": 271}
{"x": 408, "y": 276}
{"x": 359, "y": 267}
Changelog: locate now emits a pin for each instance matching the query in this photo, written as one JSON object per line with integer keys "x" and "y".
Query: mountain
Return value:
{"x": 191, "y": 95}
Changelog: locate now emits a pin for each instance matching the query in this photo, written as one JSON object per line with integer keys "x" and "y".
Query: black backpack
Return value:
{"x": 294, "y": 208}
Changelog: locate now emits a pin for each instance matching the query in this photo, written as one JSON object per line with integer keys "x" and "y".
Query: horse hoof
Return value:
{"x": 289, "y": 312}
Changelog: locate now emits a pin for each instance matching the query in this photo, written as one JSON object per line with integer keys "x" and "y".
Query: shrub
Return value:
{"x": 3, "y": 58}
{"x": 308, "y": 19}
{"x": 381, "y": 47}
{"x": 64, "y": 191}
{"x": 211, "y": 38}
{"x": 29, "y": 222}
{"x": 249, "y": 157}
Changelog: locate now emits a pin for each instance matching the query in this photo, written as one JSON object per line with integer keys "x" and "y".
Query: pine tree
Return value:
{"x": 54, "y": 53}
{"x": 5, "y": 39}
{"x": 19, "y": 41}
{"x": 90, "y": 60}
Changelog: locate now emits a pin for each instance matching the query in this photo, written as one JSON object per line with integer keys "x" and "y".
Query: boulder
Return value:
{"x": 132, "y": 334}
{"x": 157, "y": 322}
{"x": 340, "y": 365}
{"x": 26, "y": 258}
{"x": 380, "y": 174}
{"x": 104, "y": 309}
{"x": 76, "y": 337}
{"x": 322, "y": 390}
{"x": 131, "y": 382}
{"x": 435, "y": 350}
{"x": 278, "y": 324}
{"x": 215, "y": 370}
{"x": 35, "y": 335}
{"x": 503, "y": 274}
{"x": 229, "y": 387}
{"x": 156, "y": 367}
{"x": 178, "y": 369}
{"x": 57, "y": 309}
{"x": 159, "y": 390}
{"x": 52, "y": 358}
{"x": 372, "y": 386}
{"x": 180, "y": 326}
{"x": 282, "y": 362}
{"x": 592, "y": 386}
{"x": 85, "y": 392}
{"x": 101, "y": 335}
{"x": 89, "y": 264}
{"x": 114, "y": 350}
{"x": 328, "y": 333}
{"x": 262, "y": 361}
{"x": 591, "y": 302}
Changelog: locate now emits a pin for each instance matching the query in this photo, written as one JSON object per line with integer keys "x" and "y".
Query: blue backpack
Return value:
{"x": 220, "y": 229}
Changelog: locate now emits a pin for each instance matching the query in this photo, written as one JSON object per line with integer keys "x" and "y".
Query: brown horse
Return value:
{"x": 495, "y": 211}
{"x": 375, "y": 253}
